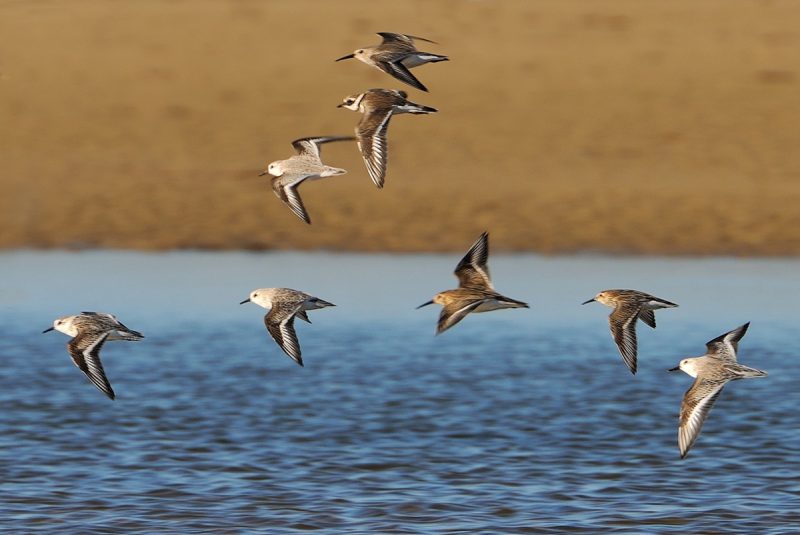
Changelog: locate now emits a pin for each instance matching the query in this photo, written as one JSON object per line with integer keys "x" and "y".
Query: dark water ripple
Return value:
{"x": 213, "y": 434}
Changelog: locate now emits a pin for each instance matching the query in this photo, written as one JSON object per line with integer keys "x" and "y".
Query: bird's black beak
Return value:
{"x": 587, "y": 302}
{"x": 262, "y": 173}
{"x": 245, "y": 301}
{"x": 675, "y": 369}
{"x": 340, "y": 105}
{"x": 48, "y": 330}
{"x": 348, "y": 56}
{"x": 425, "y": 304}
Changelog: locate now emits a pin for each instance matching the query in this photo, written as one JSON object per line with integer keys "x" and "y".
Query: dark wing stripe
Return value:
{"x": 662, "y": 301}
{"x": 85, "y": 352}
{"x": 399, "y": 71}
{"x": 472, "y": 271}
{"x": 726, "y": 345}
{"x": 285, "y": 187}
{"x": 374, "y": 147}
{"x": 648, "y": 316}
{"x": 311, "y": 145}
{"x": 292, "y": 198}
{"x": 290, "y": 343}
{"x": 451, "y": 315}
{"x": 623, "y": 328}
{"x": 508, "y": 300}
{"x": 697, "y": 402}
{"x": 306, "y": 146}
{"x": 390, "y": 37}
{"x": 280, "y": 325}
{"x": 402, "y": 37}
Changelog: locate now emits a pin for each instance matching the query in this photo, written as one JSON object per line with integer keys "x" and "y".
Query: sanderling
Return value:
{"x": 378, "y": 106}
{"x": 396, "y": 55}
{"x": 475, "y": 292}
{"x": 89, "y": 331}
{"x": 285, "y": 304}
{"x": 711, "y": 372}
{"x": 629, "y": 305}
{"x": 305, "y": 165}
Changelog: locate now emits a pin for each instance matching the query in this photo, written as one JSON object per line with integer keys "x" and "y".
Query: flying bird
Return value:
{"x": 475, "y": 292}
{"x": 378, "y": 106}
{"x": 305, "y": 165}
{"x": 711, "y": 373}
{"x": 89, "y": 331}
{"x": 396, "y": 55}
{"x": 284, "y": 305}
{"x": 628, "y": 306}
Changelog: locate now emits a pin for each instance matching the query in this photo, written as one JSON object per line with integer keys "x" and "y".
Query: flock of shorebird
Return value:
{"x": 395, "y": 55}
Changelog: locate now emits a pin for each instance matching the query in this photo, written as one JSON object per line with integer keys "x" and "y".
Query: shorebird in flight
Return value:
{"x": 711, "y": 373}
{"x": 377, "y": 107}
{"x": 475, "y": 292}
{"x": 89, "y": 331}
{"x": 629, "y": 305}
{"x": 305, "y": 165}
{"x": 396, "y": 55}
{"x": 284, "y": 305}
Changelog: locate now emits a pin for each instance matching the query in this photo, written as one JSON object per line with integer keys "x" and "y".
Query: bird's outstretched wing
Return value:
{"x": 473, "y": 270}
{"x": 85, "y": 352}
{"x": 697, "y": 401}
{"x": 311, "y": 145}
{"x": 622, "y": 322}
{"x": 726, "y": 345}
{"x": 280, "y": 325}
{"x": 371, "y": 135}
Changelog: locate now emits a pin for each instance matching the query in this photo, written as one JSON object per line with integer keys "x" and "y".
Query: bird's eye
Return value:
{"x": 255, "y": 295}
{"x": 359, "y": 51}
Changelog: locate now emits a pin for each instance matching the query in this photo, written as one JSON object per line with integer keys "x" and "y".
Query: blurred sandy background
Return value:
{"x": 564, "y": 126}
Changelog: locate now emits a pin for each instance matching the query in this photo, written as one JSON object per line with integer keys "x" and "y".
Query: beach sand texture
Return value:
{"x": 579, "y": 126}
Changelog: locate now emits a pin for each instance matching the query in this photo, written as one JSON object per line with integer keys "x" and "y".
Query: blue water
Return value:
{"x": 517, "y": 421}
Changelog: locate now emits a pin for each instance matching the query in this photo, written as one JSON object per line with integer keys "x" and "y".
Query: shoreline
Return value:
{"x": 507, "y": 253}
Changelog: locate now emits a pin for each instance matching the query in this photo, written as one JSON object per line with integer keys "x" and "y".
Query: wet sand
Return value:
{"x": 602, "y": 126}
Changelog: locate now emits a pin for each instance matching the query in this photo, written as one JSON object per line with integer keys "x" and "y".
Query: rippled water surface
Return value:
{"x": 518, "y": 421}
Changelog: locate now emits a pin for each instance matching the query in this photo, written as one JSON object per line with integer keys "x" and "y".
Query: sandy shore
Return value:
{"x": 614, "y": 126}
